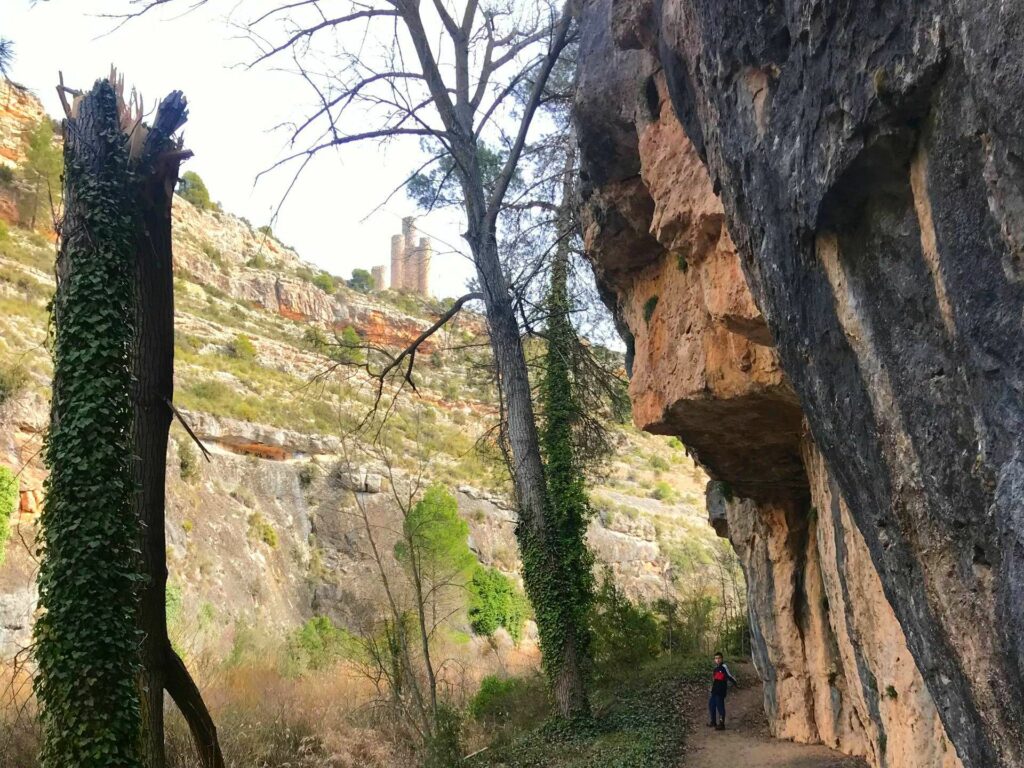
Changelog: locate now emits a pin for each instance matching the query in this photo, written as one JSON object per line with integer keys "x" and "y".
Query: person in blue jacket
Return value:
{"x": 720, "y": 678}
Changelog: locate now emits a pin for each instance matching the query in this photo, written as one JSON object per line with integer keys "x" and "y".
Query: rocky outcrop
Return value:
{"x": 260, "y": 440}
{"x": 806, "y": 214}
{"x": 19, "y": 110}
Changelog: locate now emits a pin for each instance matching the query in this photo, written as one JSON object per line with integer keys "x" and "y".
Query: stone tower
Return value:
{"x": 410, "y": 260}
{"x": 397, "y": 257}
{"x": 423, "y": 254}
{"x": 378, "y": 277}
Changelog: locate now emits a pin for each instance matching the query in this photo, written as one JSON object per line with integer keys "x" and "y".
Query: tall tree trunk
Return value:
{"x": 544, "y": 573}
{"x": 86, "y": 637}
{"x": 567, "y": 499}
{"x": 153, "y": 389}
{"x": 153, "y": 367}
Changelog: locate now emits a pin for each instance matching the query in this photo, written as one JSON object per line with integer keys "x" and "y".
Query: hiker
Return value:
{"x": 720, "y": 678}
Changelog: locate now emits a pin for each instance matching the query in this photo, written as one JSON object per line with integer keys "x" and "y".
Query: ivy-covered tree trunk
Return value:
{"x": 567, "y": 606}
{"x": 113, "y": 382}
{"x": 156, "y": 172}
{"x": 87, "y": 637}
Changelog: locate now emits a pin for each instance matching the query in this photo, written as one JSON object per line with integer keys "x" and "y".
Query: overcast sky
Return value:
{"x": 329, "y": 217}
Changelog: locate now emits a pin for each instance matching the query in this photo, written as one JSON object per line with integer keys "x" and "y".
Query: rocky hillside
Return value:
{"x": 809, "y": 218}
{"x": 266, "y": 534}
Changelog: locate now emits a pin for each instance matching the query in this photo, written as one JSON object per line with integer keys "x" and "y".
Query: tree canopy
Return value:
{"x": 41, "y": 174}
{"x": 436, "y": 537}
{"x": 361, "y": 281}
{"x": 191, "y": 187}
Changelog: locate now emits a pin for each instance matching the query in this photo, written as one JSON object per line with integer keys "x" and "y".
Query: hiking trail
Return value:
{"x": 746, "y": 743}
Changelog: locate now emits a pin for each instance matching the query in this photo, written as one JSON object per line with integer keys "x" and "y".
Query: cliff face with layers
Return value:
{"x": 808, "y": 220}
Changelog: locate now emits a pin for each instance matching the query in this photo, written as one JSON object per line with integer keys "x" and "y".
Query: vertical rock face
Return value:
{"x": 19, "y": 111}
{"x": 811, "y": 213}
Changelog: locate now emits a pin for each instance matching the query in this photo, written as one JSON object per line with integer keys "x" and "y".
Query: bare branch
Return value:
{"x": 559, "y": 39}
{"x": 328, "y": 23}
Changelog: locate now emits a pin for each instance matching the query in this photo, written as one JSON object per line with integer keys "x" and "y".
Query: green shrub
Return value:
{"x": 242, "y": 348}
{"x": 325, "y": 282}
{"x": 314, "y": 338}
{"x": 188, "y": 461}
{"x": 261, "y": 530}
{"x": 13, "y": 380}
{"x": 625, "y": 634}
{"x": 675, "y": 444}
{"x": 308, "y": 474}
{"x": 211, "y": 390}
{"x": 258, "y": 261}
{"x": 495, "y": 602}
{"x": 266, "y": 230}
{"x": 688, "y": 627}
{"x": 658, "y": 463}
{"x": 500, "y": 699}
{"x": 174, "y": 604}
{"x": 6, "y": 175}
{"x": 436, "y": 536}
{"x": 664, "y": 492}
{"x": 207, "y": 613}
{"x": 8, "y": 503}
{"x": 213, "y": 292}
{"x": 350, "y": 348}
{"x": 318, "y": 644}
{"x": 649, "y": 306}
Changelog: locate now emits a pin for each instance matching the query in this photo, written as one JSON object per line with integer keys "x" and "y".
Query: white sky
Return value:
{"x": 232, "y": 115}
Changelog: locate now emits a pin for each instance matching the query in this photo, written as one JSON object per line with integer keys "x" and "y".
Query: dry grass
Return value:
{"x": 264, "y": 721}
{"x": 331, "y": 718}
{"x": 19, "y": 729}
{"x": 269, "y": 721}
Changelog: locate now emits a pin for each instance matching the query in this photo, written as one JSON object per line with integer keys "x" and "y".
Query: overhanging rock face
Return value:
{"x": 810, "y": 219}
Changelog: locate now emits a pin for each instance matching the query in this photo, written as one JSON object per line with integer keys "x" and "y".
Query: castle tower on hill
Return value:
{"x": 378, "y": 277}
{"x": 410, "y": 260}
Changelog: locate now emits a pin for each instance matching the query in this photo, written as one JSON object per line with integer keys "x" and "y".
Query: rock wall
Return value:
{"x": 804, "y": 219}
{"x": 20, "y": 109}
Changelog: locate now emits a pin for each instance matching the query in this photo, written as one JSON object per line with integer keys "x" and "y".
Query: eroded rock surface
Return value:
{"x": 807, "y": 213}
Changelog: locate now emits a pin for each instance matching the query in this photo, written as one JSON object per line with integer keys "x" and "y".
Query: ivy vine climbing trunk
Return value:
{"x": 156, "y": 172}
{"x": 87, "y": 637}
{"x": 567, "y": 607}
{"x": 104, "y": 572}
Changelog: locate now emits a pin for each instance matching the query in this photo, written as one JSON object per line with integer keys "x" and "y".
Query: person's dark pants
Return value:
{"x": 716, "y": 708}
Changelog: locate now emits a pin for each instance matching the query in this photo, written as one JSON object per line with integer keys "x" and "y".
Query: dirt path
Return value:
{"x": 746, "y": 743}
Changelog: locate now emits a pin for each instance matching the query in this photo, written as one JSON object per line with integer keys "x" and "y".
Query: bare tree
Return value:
{"x": 422, "y": 563}
{"x": 387, "y": 69}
